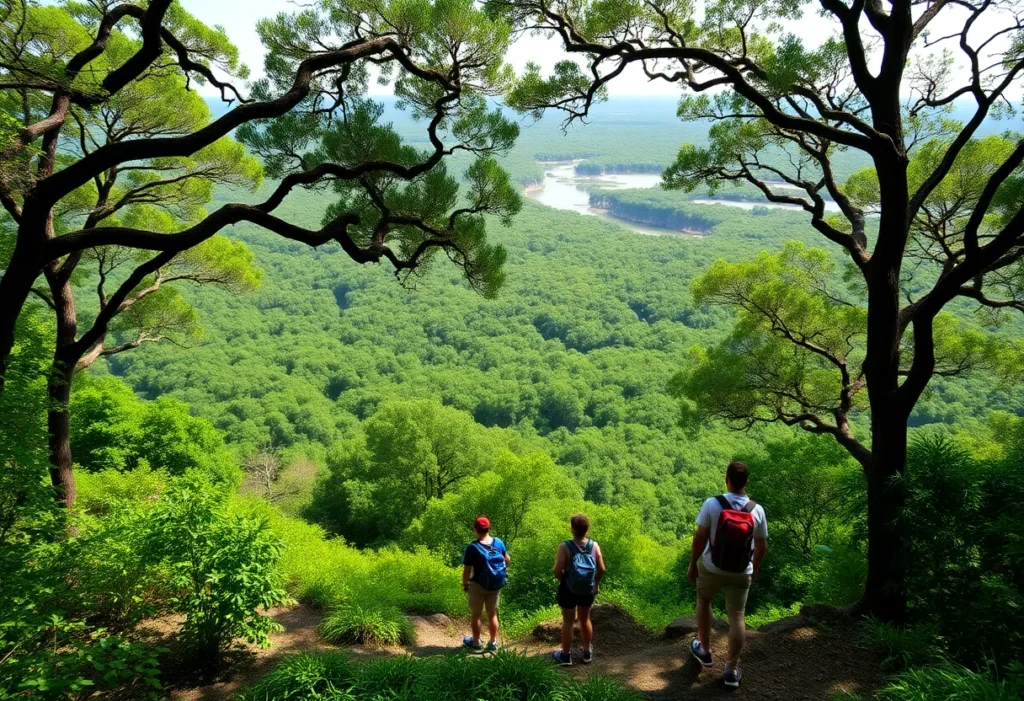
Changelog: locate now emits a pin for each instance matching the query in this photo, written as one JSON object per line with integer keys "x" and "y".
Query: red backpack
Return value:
{"x": 732, "y": 549}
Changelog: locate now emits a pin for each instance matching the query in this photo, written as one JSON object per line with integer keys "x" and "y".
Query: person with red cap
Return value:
{"x": 484, "y": 573}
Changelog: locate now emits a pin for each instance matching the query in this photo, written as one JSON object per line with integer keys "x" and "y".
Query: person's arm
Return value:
{"x": 760, "y": 548}
{"x": 601, "y": 569}
{"x": 559, "y": 569}
{"x": 760, "y": 539}
{"x": 700, "y": 541}
{"x": 505, "y": 554}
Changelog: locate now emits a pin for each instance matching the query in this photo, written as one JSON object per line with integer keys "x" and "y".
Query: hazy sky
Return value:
{"x": 240, "y": 16}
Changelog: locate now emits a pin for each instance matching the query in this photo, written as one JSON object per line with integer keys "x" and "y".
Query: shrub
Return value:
{"x": 367, "y": 625}
{"x": 223, "y": 566}
{"x": 954, "y": 683}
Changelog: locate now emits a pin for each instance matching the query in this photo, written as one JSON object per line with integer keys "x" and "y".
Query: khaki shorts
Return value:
{"x": 735, "y": 587}
{"x": 478, "y": 597}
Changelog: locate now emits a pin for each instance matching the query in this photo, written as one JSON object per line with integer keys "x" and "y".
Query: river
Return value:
{"x": 563, "y": 189}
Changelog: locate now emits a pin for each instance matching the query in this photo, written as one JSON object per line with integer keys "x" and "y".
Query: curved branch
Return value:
{"x": 53, "y": 188}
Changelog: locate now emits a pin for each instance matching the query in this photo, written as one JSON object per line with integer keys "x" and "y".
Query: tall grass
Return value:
{"x": 506, "y": 676}
{"x": 953, "y": 683}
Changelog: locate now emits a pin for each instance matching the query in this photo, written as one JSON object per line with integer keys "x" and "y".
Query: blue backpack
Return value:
{"x": 581, "y": 574}
{"x": 494, "y": 574}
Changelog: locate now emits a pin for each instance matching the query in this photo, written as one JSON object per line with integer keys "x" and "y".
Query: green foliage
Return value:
{"x": 949, "y": 683}
{"x": 331, "y": 676}
{"x": 223, "y": 567}
{"x": 375, "y": 627}
{"x": 113, "y": 429}
{"x": 962, "y": 514}
{"x": 408, "y": 453}
{"x": 902, "y": 648}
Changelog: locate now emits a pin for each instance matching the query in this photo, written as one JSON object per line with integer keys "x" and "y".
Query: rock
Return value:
{"x": 687, "y": 625}
{"x": 785, "y": 625}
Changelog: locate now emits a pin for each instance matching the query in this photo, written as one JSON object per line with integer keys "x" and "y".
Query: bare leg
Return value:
{"x": 568, "y": 619}
{"x": 704, "y": 623}
{"x": 476, "y": 608}
{"x": 736, "y": 635}
{"x": 492, "y": 618}
{"x": 586, "y": 627}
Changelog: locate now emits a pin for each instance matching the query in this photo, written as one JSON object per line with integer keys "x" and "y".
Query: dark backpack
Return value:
{"x": 581, "y": 574}
{"x": 734, "y": 537}
{"x": 493, "y": 575}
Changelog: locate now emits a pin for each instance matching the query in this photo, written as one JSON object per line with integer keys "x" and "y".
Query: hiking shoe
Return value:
{"x": 731, "y": 678}
{"x": 700, "y": 654}
{"x": 588, "y": 656}
{"x": 491, "y": 647}
{"x": 562, "y": 659}
{"x": 468, "y": 643}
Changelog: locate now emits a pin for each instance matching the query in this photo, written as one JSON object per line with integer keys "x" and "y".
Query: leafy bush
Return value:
{"x": 962, "y": 517}
{"x": 331, "y": 676}
{"x": 954, "y": 683}
{"x": 377, "y": 626}
{"x": 223, "y": 566}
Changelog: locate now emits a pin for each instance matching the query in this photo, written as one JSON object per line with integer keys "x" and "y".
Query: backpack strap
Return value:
{"x": 750, "y": 506}
{"x": 726, "y": 506}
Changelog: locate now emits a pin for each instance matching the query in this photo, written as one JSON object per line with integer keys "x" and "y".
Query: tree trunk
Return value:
{"x": 15, "y": 287}
{"x": 62, "y": 371}
{"x": 58, "y": 421}
{"x": 885, "y": 595}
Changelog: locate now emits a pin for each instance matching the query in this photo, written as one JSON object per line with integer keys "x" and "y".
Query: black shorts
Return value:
{"x": 569, "y": 600}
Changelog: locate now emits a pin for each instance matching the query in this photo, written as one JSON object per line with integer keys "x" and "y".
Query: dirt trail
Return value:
{"x": 790, "y": 660}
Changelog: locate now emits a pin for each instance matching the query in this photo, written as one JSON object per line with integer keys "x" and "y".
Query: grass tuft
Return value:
{"x": 364, "y": 625}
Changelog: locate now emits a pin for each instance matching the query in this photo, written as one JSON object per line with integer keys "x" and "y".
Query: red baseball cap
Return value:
{"x": 483, "y": 523}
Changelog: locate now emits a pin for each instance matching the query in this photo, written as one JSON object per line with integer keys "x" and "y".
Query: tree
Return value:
{"x": 308, "y": 121}
{"x": 882, "y": 85}
{"x": 263, "y": 468}
{"x": 150, "y": 313}
{"x": 408, "y": 454}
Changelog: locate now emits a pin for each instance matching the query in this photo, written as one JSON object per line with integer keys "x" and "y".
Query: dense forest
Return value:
{"x": 273, "y": 356}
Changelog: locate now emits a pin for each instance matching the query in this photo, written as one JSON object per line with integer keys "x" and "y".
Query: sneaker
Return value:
{"x": 468, "y": 643}
{"x": 700, "y": 654}
{"x": 491, "y": 647}
{"x": 562, "y": 659}
{"x": 731, "y": 678}
{"x": 588, "y": 656}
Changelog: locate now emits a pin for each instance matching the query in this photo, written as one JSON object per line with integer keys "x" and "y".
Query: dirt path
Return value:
{"x": 790, "y": 660}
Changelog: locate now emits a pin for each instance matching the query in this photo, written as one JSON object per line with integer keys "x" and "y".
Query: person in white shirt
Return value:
{"x": 728, "y": 562}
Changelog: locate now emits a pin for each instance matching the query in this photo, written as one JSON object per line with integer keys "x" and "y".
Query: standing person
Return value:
{"x": 484, "y": 573}
{"x": 728, "y": 548}
{"x": 579, "y": 568}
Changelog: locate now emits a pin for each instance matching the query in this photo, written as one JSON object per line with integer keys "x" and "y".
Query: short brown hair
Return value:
{"x": 580, "y": 525}
{"x": 738, "y": 474}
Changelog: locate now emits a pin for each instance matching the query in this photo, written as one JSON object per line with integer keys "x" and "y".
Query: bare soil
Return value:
{"x": 790, "y": 660}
